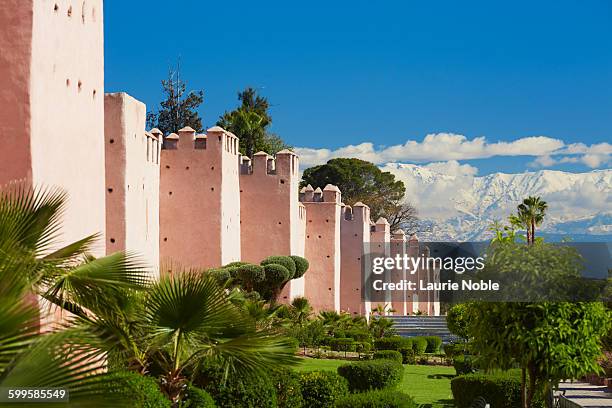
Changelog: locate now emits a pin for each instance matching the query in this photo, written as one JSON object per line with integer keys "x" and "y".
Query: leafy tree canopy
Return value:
{"x": 359, "y": 180}
{"x": 179, "y": 108}
{"x": 250, "y": 122}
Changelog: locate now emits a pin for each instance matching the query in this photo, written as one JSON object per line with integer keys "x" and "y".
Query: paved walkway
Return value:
{"x": 579, "y": 394}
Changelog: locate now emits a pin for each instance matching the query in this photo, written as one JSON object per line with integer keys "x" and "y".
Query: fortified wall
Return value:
{"x": 182, "y": 198}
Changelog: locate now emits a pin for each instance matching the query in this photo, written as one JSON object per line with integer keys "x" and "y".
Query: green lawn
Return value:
{"x": 426, "y": 384}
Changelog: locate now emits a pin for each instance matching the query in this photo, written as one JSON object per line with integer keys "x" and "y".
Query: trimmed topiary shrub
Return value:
{"x": 301, "y": 266}
{"x": 463, "y": 364}
{"x": 243, "y": 392}
{"x": 250, "y": 274}
{"x": 363, "y": 347}
{"x": 285, "y": 261}
{"x": 343, "y": 344}
{"x": 197, "y": 398}
{"x": 408, "y": 355}
{"x": 374, "y": 374}
{"x": 388, "y": 343}
{"x": 388, "y": 355}
{"x": 433, "y": 344}
{"x": 143, "y": 391}
{"x": 288, "y": 389}
{"x": 321, "y": 389}
{"x": 359, "y": 335}
{"x": 500, "y": 390}
{"x": 377, "y": 399}
{"x": 221, "y": 275}
{"x": 419, "y": 345}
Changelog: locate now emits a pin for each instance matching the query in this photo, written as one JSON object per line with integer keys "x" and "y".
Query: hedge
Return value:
{"x": 408, "y": 355}
{"x": 433, "y": 344}
{"x": 142, "y": 391}
{"x": 377, "y": 399}
{"x": 197, "y": 398}
{"x": 374, "y": 374}
{"x": 388, "y": 343}
{"x": 301, "y": 266}
{"x": 419, "y": 345}
{"x": 244, "y": 392}
{"x": 342, "y": 344}
{"x": 388, "y": 355}
{"x": 500, "y": 390}
{"x": 321, "y": 389}
{"x": 288, "y": 388}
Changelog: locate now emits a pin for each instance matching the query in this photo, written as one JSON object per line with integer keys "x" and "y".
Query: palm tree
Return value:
{"x": 301, "y": 310}
{"x": 532, "y": 210}
{"x": 520, "y": 221}
{"x": 182, "y": 322}
{"x": 64, "y": 355}
{"x": 249, "y": 126}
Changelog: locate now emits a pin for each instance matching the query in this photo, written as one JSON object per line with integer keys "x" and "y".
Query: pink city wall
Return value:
{"x": 200, "y": 199}
{"x": 132, "y": 180}
{"x": 52, "y": 73}
{"x": 185, "y": 198}
{"x": 272, "y": 221}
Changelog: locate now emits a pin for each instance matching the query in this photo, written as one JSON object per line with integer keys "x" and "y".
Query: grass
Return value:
{"x": 428, "y": 385}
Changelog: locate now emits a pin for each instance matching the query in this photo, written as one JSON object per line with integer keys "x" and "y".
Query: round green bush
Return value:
{"x": 301, "y": 266}
{"x": 276, "y": 274}
{"x": 500, "y": 390}
{"x": 321, "y": 389}
{"x": 220, "y": 275}
{"x": 388, "y": 355}
{"x": 250, "y": 273}
{"x": 419, "y": 345}
{"x": 288, "y": 388}
{"x": 197, "y": 398}
{"x": 408, "y": 355}
{"x": 377, "y": 399}
{"x": 374, "y": 374}
{"x": 388, "y": 343}
{"x": 237, "y": 391}
{"x": 142, "y": 391}
{"x": 359, "y": 335}
{"x": 285, "y": 261}
{"x": 235, "y": 264}
{"x": 433, "y": 344}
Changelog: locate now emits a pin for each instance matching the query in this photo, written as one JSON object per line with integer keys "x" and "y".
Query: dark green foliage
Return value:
{"x": 464, "y": 364}
{"x": 195, "y": 397}
{"x": 458, "y": 319}
{"x": 433, "y": 344}
{"x": 179, "y": 108}
{"x": 358, "y": 335}
{"x": 342, "y": 344}
{"x": 249, "y": 275}
{"x": 452, "y": 349}
{"x": 288, "y": 389}
{"x": 389, "y": 355}
{"x": 220, "y": 275}
{"x": 500, "y": 390}
{"x": 235, "y": 264}
{"x": 388, "y": 343}
{"x": 321, "y": 389}
{"x": 142, "y": 391}
{"x": 408, "y": 355}
{"x": 301, "y": 266}
{"x": 374, "y": 374}
{"x": 276, "y": 274}
{"x": 285, "y": 261}
{"x": 377, "y": 399}
{"x": 419, "y": 345}
{"x": 237, "y": 391}
{"x": 363, "y": 181}
{"x": 363, "y": 347}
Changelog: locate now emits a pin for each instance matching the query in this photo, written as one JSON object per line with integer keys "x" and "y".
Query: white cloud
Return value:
{"x": 436, "y": 147}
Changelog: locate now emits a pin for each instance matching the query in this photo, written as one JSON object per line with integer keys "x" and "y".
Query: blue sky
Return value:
{"x": 345, "y": 73}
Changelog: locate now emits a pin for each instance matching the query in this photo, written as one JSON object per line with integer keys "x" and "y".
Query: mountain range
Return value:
{"x": 455, "y": 204}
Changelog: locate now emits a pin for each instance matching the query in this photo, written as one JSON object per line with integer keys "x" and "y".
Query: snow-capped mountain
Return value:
{"x": 454, "y": 204}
